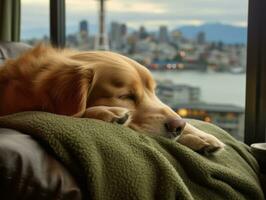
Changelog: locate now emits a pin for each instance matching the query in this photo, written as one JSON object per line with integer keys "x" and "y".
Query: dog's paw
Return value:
{"x": 213, "y": 144}
{"x": 206, "y": 144}
{"x": 211, "y": 147}
{"x": 117, "y": 115}
{"x": 199, "y": 140}
{"x": 120, "y": 116}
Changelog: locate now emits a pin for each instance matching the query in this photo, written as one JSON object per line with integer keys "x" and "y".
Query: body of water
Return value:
{"x": 222, "y": 88}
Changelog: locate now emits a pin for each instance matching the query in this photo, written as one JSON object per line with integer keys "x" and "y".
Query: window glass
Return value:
{"x": 34, "y": 21}
{"x": 195, "y": 49}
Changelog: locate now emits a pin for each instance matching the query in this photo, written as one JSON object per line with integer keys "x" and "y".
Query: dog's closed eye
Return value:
{"x": 131, "y": 97}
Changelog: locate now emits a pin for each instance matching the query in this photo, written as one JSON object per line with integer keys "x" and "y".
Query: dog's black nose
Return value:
{"x": 174, "y": 127}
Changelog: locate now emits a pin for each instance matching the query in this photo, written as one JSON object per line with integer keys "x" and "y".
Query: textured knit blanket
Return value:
{"x": 114, "y": 162}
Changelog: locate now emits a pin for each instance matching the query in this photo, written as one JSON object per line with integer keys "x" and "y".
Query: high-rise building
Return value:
{"x": 143, "y": 33}
{"x": 83, "y": 26}
{"x": 83, "y": 30}
{"x": 123, "y": 29}
{"x": 83, "y": 36}
{"x": 201, "y": 38}
{"x": 115, "y": 35}
{"x": 163, "y": 34}
{"x": 118, "y": 35}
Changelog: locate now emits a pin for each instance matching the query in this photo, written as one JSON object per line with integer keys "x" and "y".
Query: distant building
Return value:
{"x": 131, "y": 43}
{"x": 171, "y": 93}
{"x": 185, "y": 100}
{"x": 201, "y": 38}
{"x": 218, "y": 60}
{"x": 228, "y": 117}
{"x": 118, "y": 34}
{"x": 83, "y": 36}
{"x": 163, "y": 34}
{"x": 176, "y": 37}
{"x": 83, "y": 26}
{"x": 124, "y": 41}
{"x": 143, "y": 33}
{"x": 115, "y": 36}
{"x": 165, "y": 51}
{"x": 83, "y": 29}
{"x": 72, "y": 40}
{"x": 123, "y": 29}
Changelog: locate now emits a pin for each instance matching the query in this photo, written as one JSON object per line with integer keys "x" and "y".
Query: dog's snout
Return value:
{"x": 174, "y": 127}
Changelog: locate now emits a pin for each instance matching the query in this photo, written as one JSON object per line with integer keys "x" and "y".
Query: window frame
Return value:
{"x": 255, "y": 114}
{"x": 57, "y": 23}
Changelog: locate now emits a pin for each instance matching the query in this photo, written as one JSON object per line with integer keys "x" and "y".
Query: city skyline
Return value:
{"x": 229, "y": 34}
{"x": 151, "y": 14}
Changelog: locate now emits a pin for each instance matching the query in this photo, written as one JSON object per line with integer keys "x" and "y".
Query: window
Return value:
{"x": 196, "y": 50}
{"x": 255, "y": 123}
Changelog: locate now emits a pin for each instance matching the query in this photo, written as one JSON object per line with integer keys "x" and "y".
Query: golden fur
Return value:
{"x": 93, "y": 84}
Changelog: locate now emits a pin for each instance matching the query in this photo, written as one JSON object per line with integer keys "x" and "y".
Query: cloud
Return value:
{"x": 131, "y": 6}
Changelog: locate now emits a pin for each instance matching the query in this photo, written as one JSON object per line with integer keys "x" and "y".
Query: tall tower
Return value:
{"x": 101, "y": 40}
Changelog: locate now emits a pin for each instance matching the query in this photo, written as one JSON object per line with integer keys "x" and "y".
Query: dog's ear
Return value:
{"x": 66, "y": 87}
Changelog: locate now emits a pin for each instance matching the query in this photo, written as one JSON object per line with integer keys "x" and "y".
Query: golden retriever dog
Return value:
{"x": 94, "y": 84}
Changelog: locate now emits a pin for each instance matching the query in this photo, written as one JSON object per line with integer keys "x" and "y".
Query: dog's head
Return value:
{"x": 116, "y": 80}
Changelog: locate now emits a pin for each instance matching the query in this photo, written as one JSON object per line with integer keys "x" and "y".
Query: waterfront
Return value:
{"x": 216, "y": 87}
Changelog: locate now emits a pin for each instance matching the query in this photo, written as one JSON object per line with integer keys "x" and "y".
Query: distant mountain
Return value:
{"x": 217, "y": 32}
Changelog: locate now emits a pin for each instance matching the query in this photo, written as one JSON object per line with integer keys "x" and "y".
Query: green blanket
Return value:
{"x": 114, "y": 162}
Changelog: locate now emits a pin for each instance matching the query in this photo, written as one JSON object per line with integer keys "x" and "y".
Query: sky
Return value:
{"x": 149, "y": 13}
